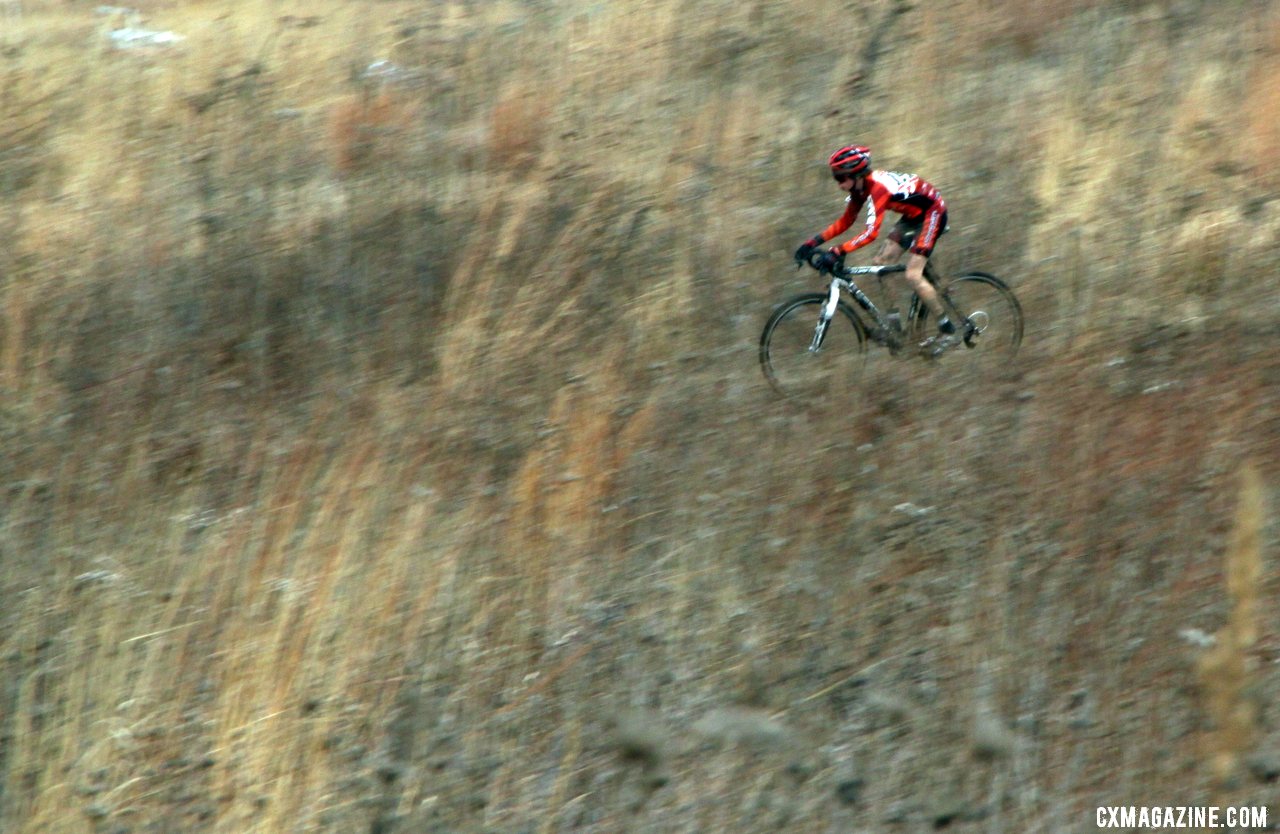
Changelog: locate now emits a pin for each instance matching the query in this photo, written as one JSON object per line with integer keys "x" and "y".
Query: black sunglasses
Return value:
{"x": 841, "y": 176}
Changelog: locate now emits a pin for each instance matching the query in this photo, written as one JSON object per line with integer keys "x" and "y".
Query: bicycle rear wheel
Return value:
{"x": 989, "y": 305}
{"x": 799, "y": 360}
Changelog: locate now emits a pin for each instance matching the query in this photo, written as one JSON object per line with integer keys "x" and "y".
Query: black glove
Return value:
{"x": 831, "y": 261}
{"x": 806, "y": 248}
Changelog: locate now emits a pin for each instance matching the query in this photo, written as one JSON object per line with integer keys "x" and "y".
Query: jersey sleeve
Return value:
{"x": 851, "y": 209}
{"x": 879, "y": 203}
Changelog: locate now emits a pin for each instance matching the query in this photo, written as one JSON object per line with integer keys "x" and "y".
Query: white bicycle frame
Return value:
{"x": 844, "y": 282}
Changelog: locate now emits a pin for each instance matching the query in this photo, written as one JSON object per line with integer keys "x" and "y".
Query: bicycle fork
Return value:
{"x": 824, "y": 318}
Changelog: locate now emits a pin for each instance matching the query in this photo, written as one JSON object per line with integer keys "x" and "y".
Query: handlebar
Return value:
{"x": 870, "y": 269}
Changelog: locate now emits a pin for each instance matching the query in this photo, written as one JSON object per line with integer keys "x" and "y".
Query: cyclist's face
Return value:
{"x": 847, "y": 183}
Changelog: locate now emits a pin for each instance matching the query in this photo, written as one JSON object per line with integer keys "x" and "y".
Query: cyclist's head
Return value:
{"x": 850, "y": 161}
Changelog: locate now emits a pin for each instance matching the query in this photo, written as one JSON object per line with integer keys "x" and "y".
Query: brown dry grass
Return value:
{"x": 1226, "y": 671}
{"x": 385, "y": 450}
{"x": 1261, "y": 105}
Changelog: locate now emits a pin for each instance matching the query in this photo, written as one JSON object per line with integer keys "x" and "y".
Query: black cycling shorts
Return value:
{"x": 921, "y": 233}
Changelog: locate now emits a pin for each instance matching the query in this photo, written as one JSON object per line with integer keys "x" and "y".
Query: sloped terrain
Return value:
{"x": 386, "y": 449}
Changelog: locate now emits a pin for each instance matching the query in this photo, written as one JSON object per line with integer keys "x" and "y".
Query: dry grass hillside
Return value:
{"x": 384, "y": 448}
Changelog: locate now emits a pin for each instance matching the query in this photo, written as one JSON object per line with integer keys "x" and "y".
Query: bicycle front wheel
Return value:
{"x": 804, "y": 359}
{"x": 990, "y": 306}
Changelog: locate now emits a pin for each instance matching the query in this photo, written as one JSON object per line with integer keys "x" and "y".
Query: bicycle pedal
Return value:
{"x": 934, "y": 346}
{"x": 930, "y": 349}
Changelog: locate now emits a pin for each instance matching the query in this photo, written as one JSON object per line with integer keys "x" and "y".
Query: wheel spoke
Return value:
{"x": 990, "y": 308}
{"x": 805, "y": 359}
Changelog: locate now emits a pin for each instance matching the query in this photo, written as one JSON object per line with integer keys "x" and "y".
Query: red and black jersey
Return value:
{"x": 883, "y": 191}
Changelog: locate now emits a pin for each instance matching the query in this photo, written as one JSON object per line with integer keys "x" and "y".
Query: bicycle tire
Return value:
{"x": 988, "y": 302}
{"x": 788, "y": 364}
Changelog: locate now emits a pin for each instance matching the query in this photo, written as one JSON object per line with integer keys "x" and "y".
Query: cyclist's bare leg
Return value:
{"x": 915, "y": 277}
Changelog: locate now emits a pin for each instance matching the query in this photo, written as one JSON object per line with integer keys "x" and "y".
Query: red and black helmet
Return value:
{"x": 851, "y": 160}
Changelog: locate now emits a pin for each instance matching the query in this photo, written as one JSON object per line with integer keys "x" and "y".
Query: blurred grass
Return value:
{"x": 376, "y": 434}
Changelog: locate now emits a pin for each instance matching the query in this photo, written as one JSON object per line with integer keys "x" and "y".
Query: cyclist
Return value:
{"x": 923, "y": 221}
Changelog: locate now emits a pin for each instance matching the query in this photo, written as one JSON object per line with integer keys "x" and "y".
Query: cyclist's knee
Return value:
{"x": 916, "y": 265}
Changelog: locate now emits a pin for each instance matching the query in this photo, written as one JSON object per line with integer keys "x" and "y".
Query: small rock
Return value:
{"x": 1083, "y": 716}
{"x": 1197, "y": 638}
{"x": 639, "y": 735}
{"x": 740, "y": 725}
{"x": 898, "y": 813}
{"x": 849, "y": 791}
{"x": 891, "y": 708}
{"x": 132, "y": 37}
{"x": 95, "y": 577}
{"x": 952, "y": 808}
{"x": 991, "y": 739}
{"x": 800, "y": 769}
{"x": 1265, "y": 767}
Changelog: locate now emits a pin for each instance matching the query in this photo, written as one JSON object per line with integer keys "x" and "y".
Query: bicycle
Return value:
{"x": 802, "y": 355}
